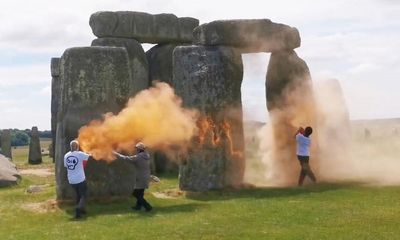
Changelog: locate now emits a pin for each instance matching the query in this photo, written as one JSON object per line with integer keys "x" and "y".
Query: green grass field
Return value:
{"x": 20, "y": 156}
{"x": 323, "y": 211}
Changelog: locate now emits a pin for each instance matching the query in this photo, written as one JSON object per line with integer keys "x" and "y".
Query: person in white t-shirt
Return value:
{"x": 303, "y": 153}
{"x": 75, "y": 161}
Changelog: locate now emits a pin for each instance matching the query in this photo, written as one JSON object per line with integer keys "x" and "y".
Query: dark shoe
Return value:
{"x": 149, "y": 208}
{"x": 83, "y": 211}
{"x": 78, "y": 213}
{"x": 136, "y": 208}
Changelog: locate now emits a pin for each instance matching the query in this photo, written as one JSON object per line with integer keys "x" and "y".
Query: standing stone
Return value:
{"x": 159, "y": 58}
{"x": 144, "y": 27}
{"x": 6, "y": 143}
{"x": 137, "y": 61}
{"x": 55, "y": 95}
{"x": 35, "y": 152}
{"x": 209, "y": 79}
{"x": 291, "y": 105}
{"x": 94, "y": 81}
{"x": 250, "y": 35}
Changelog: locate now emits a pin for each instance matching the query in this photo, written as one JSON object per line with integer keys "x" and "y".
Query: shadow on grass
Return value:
{"x": 123, "y": 207}
{"x": 269, "y": 192}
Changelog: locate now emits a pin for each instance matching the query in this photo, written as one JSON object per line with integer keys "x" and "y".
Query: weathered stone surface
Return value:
{"x": 55, "y": 67}
{"x": 162, "y": 164}
{"x": 8, "y": 172}
{"x": 209, "y": 79}
{"x": 55, "y": 95}
{"x": 250, "y": 35}
{"x": 94, "y": 80}
{"x": 291, "y": 104}
{"x": 5, "y": 136}
{"x": 144, "y": 27}
{"x": 159, "y": 58}
{"x": 137, "y": 58}
{"x": 35, "y": 152}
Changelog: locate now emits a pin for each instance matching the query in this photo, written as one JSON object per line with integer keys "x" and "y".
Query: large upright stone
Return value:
{"x": 35, "y": 151}
{"x": 137, "y": 58}
{"x": 144, "y": 27}
{"x": 209, "y": 79}
{"x": 6, "y": 143}
{"x": 291, "y": 104}
{"x": 159, "y": 58}
{"x": 55, "y": 95}
{"x": 250, "y": 35}
{"x": 94, "y": 80}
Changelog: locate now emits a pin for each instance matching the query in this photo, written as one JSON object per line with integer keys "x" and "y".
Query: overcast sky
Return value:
{"x": 354, "y": 41}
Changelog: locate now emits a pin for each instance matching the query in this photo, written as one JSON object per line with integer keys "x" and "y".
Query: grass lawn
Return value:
{"x": 323, "y": 211}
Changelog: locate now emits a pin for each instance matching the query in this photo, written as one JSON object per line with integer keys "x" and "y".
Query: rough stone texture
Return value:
{"x": 159, "y": 58}
{"x": 6, "y": 143}
{"x": 8, "y": 172}
{"x": 35, "y": 152}
{"x": 137, "y": 58}
{"x": 257, "y": 35}
{"x": 94, "y": 80}
{"x": 290, "y": 104}
{"x": 209, "y": 79}
{"x": 144, "y": 27}
{"x": 55, "y": 95}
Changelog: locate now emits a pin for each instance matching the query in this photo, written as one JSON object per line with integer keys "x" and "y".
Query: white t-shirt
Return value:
{"x": 73, "y": 161}
{"x": 303, "y": 145}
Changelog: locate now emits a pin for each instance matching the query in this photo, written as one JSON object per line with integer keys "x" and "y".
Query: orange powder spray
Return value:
{"x": 154, "y": 116}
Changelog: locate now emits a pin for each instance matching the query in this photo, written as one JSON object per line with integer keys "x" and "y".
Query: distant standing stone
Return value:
{"x": 35, "y": 154}
{"x": 6, "y": 143}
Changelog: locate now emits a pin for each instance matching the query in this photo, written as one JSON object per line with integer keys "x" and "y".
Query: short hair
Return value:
{"x": 308, "y": 131}
{"x": 74, "y": 143}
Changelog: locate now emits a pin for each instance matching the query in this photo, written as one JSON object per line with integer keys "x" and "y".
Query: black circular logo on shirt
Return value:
{"x": 72, "y": 161}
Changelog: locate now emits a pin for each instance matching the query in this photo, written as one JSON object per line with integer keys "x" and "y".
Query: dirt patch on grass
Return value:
{"x": 41, "y": 207}
{"x": 169, "y": 194}
{"x": 41, "y": 172}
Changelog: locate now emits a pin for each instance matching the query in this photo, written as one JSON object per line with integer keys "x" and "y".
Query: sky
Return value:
{"x": 354, "y": 41}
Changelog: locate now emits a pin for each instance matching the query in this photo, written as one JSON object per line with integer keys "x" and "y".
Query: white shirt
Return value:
{"x": 73, "y": 161}
{"x": 303, "y": 145}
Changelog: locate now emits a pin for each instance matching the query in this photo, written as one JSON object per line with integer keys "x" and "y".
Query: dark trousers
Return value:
{"x": 140, "y": 201}
{"x": 305, "y": 170}
{"x": 80, "y": 190}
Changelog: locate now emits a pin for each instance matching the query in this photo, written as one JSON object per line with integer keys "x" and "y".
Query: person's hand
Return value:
{"x": 301, "y": 130}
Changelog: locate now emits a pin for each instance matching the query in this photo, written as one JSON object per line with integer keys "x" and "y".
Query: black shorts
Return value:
{"x": 303, "y": 159}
